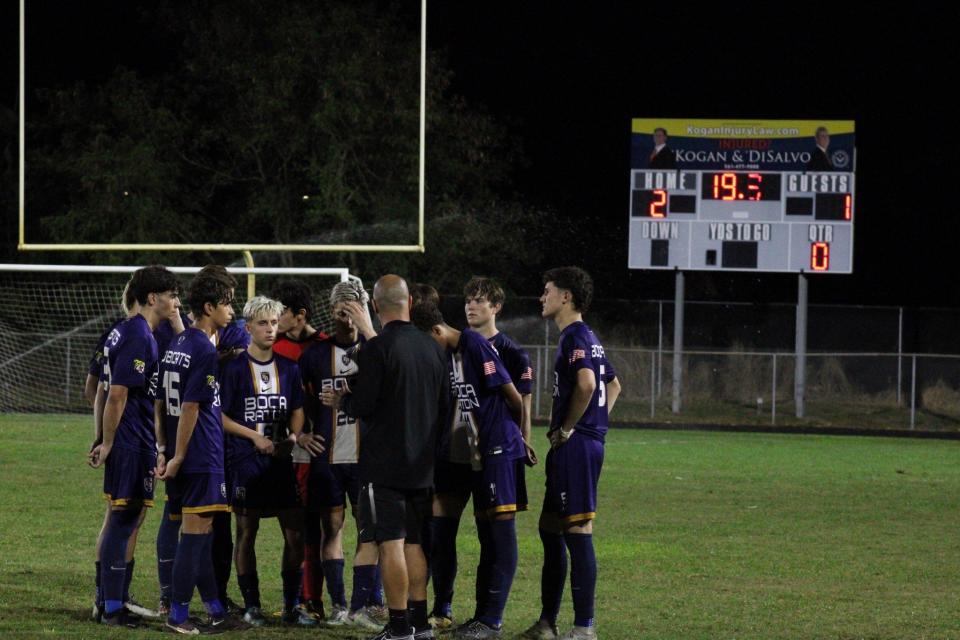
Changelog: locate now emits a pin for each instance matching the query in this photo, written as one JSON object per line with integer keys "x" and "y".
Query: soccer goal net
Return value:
{"x": 51, "y": 317}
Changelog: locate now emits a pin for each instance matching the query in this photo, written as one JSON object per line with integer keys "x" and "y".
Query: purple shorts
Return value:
{"x": 452, "y": 479}
{"x": 573, "y": 473}
{"x": 331, "y": 485}
{"x": 501, "y": 487}
{"x": 196, "y": 493}
{"x": 263, "y": 483}
{"x": 128, "y": 477}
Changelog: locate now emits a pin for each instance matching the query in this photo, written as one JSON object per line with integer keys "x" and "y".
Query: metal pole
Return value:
{"x": 659, "y": 370}
{"x": 900, "y": 358}
{"x": 66, "y": 386}
{"x": 653, "y": 384}
{"x": 773, "y": 393}
{"x": 800, "y": 375}
{"x": 536, "y": 397}
{"x": 913, "y": 391}
{"x": 677, "y": 342}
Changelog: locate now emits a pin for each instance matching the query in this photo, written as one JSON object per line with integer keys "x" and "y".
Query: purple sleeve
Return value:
{"x": 296, "y": 388}
{"x": 201, "y": 385}
{"x": 492, "y": 371}
{"x": 128, "y": 368}
{"x": 234, "y": 336}
{"x": 525, "y": 383}
{"x": 577, "y": 351}
{"x": 608, "y": 371}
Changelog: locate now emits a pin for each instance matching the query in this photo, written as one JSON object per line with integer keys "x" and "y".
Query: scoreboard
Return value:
{"x": 736, "y": 220}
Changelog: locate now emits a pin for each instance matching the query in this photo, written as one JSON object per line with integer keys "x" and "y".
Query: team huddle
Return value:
{"x": 265, "y": 417}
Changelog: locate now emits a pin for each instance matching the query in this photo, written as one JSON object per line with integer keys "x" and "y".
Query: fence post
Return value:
{"x": 773, "y": 393}
{"x": 913, "y": 391}
{"x": 653, "y": 384}
{"x": 539, "y": 383}
{"x": 659, "y": 369}
{"x": 900, "y": 358}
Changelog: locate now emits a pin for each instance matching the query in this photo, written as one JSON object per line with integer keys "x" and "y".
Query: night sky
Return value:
{"x": 568, "y": 77}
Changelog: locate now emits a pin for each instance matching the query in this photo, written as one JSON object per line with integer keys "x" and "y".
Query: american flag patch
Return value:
{"x": 577, "y": 354}
{"x": 489, "y": 368}
{"x": 527, "y": 374}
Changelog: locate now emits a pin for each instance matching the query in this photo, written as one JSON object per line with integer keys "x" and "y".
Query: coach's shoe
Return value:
{"x": 541, "y": 630}
{"x": 338, "y": 617}
{"x": 298, "y": 617}
{"x": 440, "y": 622}
{"x": 254, "y": 617}
{"x": 580, "y": 633}
{"x": 121, "y": 618}
{"x": 144, "y": 612}
{"x": 364, "y": 619}
{"x": 187, "y": 627}
{"x": 476, "y": 630}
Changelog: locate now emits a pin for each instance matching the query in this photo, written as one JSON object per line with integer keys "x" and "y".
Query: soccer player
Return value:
{"x": 262, "y": 402}
{"x": 295, "y": 336}
{"x": 128, "y": 450}
{"x": 483, "y": 302}
{"x": 331, "y": 365}
{"x": 229, "y": 341}
{"x": 585, "y": 390}
{"x": 95, "y": 391}
{"x": 495, "y": 451}
{"x": 196, "y": 487}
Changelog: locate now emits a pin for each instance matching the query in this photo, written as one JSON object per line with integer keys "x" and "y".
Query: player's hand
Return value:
{"x": 332, "y": 398}
{"x": 531, "y": 460}
{"x": 313, "y": 443}
{"x": 173, "y": 467}
{"x": 360, "y": 317}
{"x": 264, "y": 445}
{"x": 98, "y": 457}
{"x": 560, "y": 436}
{"x": 161, "y": 464}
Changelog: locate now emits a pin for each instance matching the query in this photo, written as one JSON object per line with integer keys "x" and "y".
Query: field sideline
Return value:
{"x": 699, "y": 535}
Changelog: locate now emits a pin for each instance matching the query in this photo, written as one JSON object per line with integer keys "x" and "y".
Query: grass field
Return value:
{"x": 700, "y": 535}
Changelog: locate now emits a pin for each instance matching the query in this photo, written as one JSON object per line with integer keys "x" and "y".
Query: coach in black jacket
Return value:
{"x": 400, "y": 397}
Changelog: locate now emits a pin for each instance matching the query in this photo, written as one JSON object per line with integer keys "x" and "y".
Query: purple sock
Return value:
{"x": 504, "y": 537}
{"x": 583, "y": 576}
{"x": 363, "y": 584}
{"x": 333, "y": 574}
{"x": 554, "y": 575}
{"x": 168, "y": 534}
{"x": 443, "y": 562}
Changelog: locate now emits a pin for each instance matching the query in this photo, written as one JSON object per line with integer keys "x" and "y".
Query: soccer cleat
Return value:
{"x": 364, "y": 619}
{"x": 163, "y": 609}
{"x": 298, "y": 617}
{"x": 378, "y": 612}
{"x": 541, "y": 630}
{"x": 97, "y": 613}
{"x": 315, "y": 609}
{"x": 226, "y": 623}
{"x": 144, "y": 612}
{"x": 580, "y": 633}
{"x": 231, "y": 607}
{"x": 186, "y": 628}
{"x": 387, "y": 634}
{"x": 121, "y": 618}
{"x": 476, "y": 630}
{"x": 338, "y": 617}
{"x": 440, "y": 622}
{"x": 254, "y": 617}
{"x": 423, "y": 634}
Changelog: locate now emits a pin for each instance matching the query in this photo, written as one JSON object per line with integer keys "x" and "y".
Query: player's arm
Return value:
{"x": 263, "y": 444}
{"x": 360, "y": 315}
{"x": 112, "y": 412}
{"x": 312, "y": 442}
{"x": 99, "y": 402}
{"x": 159, "y": 415}
{"x": 582, "y": 394}
{"x": 613, "y": 392}
{"x": 189, "y": 413}
{"x": 514, "y": 401}
{"x": 90, "y": 389}
{"x": 526, "y": 427}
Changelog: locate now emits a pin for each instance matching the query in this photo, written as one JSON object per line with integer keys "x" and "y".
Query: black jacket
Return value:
{"x": 400, "y": 396}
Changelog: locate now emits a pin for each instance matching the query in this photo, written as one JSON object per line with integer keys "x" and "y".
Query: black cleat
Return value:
{"x": 122, "y": 618}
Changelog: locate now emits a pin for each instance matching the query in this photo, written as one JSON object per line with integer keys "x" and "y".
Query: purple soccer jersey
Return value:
{"x": 580, "y": 349}
{"x": 327, "y": 366}
{"x": 232, "y": 336}
{"x": 260, "y": 396}
{"x": 131, "y": 361}
{"x": 480, "y": 418}
{"x": 98, "y": 360}
{"x": 188, "y": 373}
{"x": 516, "y": 361}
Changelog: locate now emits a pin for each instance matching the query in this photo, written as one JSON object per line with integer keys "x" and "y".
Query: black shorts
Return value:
{"x": 386, "y": 513}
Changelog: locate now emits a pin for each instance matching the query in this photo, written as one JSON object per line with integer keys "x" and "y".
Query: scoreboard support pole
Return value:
{"x": 677, "y": 341}
{"x": 800, "y": 373}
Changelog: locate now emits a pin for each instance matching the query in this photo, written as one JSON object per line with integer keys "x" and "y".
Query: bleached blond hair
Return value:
{"x": 261, "y": 306}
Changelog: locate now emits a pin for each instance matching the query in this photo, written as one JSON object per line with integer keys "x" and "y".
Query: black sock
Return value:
{"x": 399, "y": 622}
{"x": 418, "y": 613}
